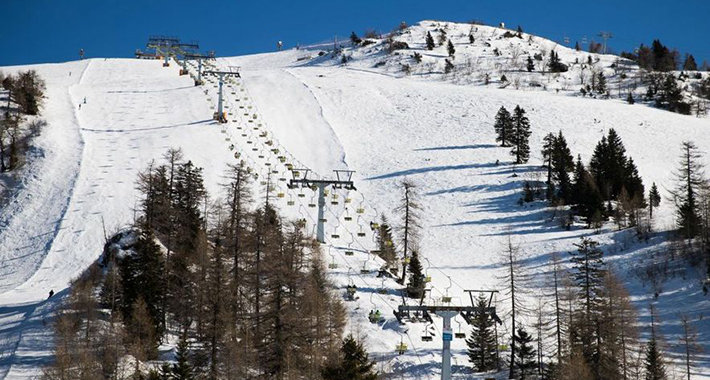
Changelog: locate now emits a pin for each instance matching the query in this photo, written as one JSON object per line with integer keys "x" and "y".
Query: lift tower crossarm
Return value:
{"x": 233, "y": 71}
{"x": 343, "y": 180}
{"x": 199, "y": 57}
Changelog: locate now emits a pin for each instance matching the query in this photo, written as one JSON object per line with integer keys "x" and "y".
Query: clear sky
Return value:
{"x": 34, "y": 31}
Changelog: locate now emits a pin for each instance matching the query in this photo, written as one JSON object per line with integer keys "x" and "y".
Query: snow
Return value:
{"x": 427, "y": 128}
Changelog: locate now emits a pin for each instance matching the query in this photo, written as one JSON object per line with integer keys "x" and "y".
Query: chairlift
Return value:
{"x": 446, "y": 298}
{"x": 427, "y": 277}
{"x": 401, "y": 348}
{"x": 290, "y": 201}
{"x": 375, "y": 315}
{"x": 382, "y": 289}
{"x": 280, "y": 194}
{"x": 361, "y": 233}
{"x": 333, "y": 264}
{"x": 459, "y": 334}
{"x": 427, "y": 337}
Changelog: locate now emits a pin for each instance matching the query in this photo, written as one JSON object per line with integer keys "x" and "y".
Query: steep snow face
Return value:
{"x": 296, "y": 109}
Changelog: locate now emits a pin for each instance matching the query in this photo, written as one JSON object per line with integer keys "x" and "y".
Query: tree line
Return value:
{"x": 24, "y": 96}
{"x": 242, "y": 291}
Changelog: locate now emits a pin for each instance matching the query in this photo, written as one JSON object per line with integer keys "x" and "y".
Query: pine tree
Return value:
{"x": 385, "y": 243}
{"x": 429, "y": 41}
{"x": 585, "y": 194}
{"x": 562, "y": 163}
{"x": 355, "y": 39}
{"x": 653, "y": 361}
{"x": 482, "y": 342}
{"x": 690, "y": 64}
{"x": 654, "y": 199}
{"x": 354, "y": 364}
{"x": 548, "y": 143}
{"x": 690, "y": 179}
{"x": 471, "y": 38}
{"x": 531, "y": 64}
{"x": 182, "y": 369}
{"x": 576, "y": 46}
{"x": 442, "y": 37}
{"x": 630, "y": 98}
{"x": 503, "y": 126}
{"x": 408, "y": 210}
{"x": 415, "y": 288}
{"x": 448, "y": 66}
{"x": 450, "y": 48}
{"x": 521, "y": 136}
{"x": 588, "y": 275}
{"x": 601, "y": 83}
{"x": 526, "y": 364}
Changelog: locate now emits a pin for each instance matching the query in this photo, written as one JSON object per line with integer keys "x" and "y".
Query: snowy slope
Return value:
{"x": 321, "y": 116}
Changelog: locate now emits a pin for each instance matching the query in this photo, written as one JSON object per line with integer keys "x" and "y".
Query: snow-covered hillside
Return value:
{"x": 313, "y": 113}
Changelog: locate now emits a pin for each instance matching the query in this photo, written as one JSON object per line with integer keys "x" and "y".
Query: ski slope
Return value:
{"x": 323, "y": 116}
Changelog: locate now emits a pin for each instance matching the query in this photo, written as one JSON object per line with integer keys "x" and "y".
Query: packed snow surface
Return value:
{"x": 296, "y": 108}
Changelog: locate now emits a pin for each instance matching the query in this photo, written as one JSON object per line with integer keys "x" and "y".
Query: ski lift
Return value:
{"x": 334, "y": 200}
{"x": 347, "y": 216}
{"x": 290, "y": 201}
{"x": 427, "y": 277}
{"x": 280, "y": 194}
{"x": 375, "y": 315}
{"x": 301, "y": 194}
{"x": 459, "y": 334}
{"x": 361, "y": 233}
{"x": 350, "y": 291}
{"x": 401, "y": 348}
{"x": 237, "y": 155}
{"x": 365, "y": 269}
{"x": 382, "y": 289}
{"x": 427, "y": 336}
{"x": 333, "y": 264}
{"x": 446, "y": 298}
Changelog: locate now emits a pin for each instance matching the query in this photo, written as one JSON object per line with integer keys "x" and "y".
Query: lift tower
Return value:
{"x": 169, "y": 46}
{"x": 404, "y": 312}
{"x": 232, "y": 71}
{"x": 199, "y": 57}
{"x": 343, "y": 180}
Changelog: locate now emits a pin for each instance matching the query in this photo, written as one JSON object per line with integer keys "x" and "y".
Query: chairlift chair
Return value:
{"x": 427, "y": 337}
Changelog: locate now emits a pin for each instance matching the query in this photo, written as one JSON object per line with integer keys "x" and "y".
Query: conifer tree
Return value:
{"x": 442, "y": 37}
{"x": 525, "y": 364}
{"x": 415, "y": 288}
{"x": 521, "y": 136}
{"x": 482, "y": 341}
{"x": 653, "y": 359}
{"x": 690, "y": 179}
{"x": 450, "y": 48}
{"x": 182, "y": 369}
{"x": 548, "y": 143}
{"x": 408, "y": 211}
{"x": 562, "y": 164}
{"x": 448, "y": 66}
{"x": 531, "y": 64}
{"x": 630, "y": 98}
{"x": 654, "y": 199}
{"x": 503, "y": 126}
{"x": 354, "y": 364}
{"x": 601, "y": 83}
{"x": 576, "y": 46}
{"x": 355, "y": 39}
{"x": 690, "y": 64}
{"x": 471, "y": 38}
{"x": 385, "y": 243}
{"x": 429, "y": 41}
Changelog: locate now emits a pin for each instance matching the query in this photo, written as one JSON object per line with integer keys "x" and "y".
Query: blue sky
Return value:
{"x": 36, "y": 31}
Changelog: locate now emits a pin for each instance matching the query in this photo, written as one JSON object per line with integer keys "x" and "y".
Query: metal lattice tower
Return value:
{"x": 343, "y": 180}
{"x": 233, "y": 71}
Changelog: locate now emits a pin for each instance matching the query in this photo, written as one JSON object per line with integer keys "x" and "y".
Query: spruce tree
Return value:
{"x": 354, "y": 364}
{"x": 654, "y": 199}
{"x": 576, "y": 46}
{"x": 562, "y": 163}
{"x": 182, "y": 369}
{"x": 471, "y": 39}
{"x": 630, "y": 98}
{"x": 415, "y": 288}
{"x": 601, "y": 83}
{"x": 450, "y": 48}
{"x": 429, "y": 41}
{"x": 548, "y": 143}
{"x": 448, "y": 66}
{"x": 521, "y": 136}
{"x": 690, "y": 180}
{"x": 355, "y": 39}
{"x": 385, "y": 243}
{"x": 482, "y": 342}
{"x": 531, "y": 64}
{"x": 526, "y": 363}
{"x": 690, "y": 64}
{"x": 653, "y": 359}
{"x": 503, "y": 126}
{"x": 442, "y": 37}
